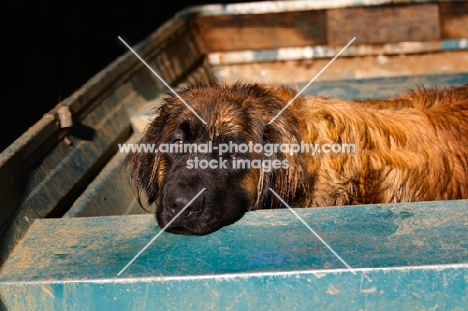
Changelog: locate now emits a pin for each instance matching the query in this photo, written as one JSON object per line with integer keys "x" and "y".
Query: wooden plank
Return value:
{"x": 416, "y": 22}
{"x": 380, "y": 87}
{"x": 261, "y": 31}
{"x": 454, "y": 18}
{"x": 317, "y": 52}
{"x": 263, "y": 7}
{"x": 345, "y": 68}
{"x": 406, "y": 257}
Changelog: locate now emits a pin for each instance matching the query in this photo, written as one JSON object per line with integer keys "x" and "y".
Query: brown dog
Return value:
{"x": 410, "y": 148}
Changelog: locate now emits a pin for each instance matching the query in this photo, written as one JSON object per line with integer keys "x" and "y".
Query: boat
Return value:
{"x": 70, "y": 223}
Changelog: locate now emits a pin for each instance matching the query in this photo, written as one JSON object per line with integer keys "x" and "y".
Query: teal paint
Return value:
{"x": 380, "y": 87}
{"x": 405, "y": 255}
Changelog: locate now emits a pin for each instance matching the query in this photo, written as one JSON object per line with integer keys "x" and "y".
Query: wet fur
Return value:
{"x": 410, "y": 148}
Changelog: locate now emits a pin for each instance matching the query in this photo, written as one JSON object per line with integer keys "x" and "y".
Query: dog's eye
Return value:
{"x": 177, "y": 142}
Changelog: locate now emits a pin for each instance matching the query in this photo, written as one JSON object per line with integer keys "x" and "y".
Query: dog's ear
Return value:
{"x": 290, "y": 182}
{"x": 146, "y": 166}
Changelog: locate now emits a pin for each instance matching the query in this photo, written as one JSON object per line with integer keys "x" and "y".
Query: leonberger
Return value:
{"x": 408, "y": 148}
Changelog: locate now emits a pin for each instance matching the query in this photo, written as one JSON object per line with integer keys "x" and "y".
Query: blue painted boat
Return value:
{"x": 69, "y": 221}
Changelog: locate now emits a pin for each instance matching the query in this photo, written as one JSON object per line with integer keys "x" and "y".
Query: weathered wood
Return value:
{"x": 407, "y": 257}
{"x": 261, "y": 31}
{"x": 373, "y": 24}
{"x": 416, "y": 22}
{"x": 454, "y": 19}
{"x": 381, "y": 87}
{"x": 343, "y": 68}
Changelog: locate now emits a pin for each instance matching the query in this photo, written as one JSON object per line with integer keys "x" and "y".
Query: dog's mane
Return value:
{"x": 410, "y": 148}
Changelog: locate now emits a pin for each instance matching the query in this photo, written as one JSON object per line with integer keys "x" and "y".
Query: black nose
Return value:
{"x": 176, "y": 202}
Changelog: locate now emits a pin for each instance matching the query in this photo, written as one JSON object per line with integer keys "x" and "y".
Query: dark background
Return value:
{"x": 52, "y": 47}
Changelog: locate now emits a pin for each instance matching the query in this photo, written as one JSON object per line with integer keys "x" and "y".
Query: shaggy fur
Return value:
{"x": 410, "y": 148}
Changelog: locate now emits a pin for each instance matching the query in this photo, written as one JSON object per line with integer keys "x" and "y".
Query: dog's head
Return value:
{"x": 235, "y": 115}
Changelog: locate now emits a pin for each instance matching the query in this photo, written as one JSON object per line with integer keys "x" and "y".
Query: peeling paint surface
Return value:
{"x": 63, "y": 262}
{"x": 314, "y": 52}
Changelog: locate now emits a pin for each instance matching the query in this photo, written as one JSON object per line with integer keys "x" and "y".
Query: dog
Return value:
{"x": 408, "y": 148}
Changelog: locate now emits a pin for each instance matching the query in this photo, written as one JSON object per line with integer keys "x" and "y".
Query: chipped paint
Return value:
{"x": 332, "y": 290}
{"x": 463, "y": 44}
{"x": 48, "y": 291}
{"x": 283, "y": 6}
{"x": 369, "y": 290}
{"x": 324, "y": 51}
